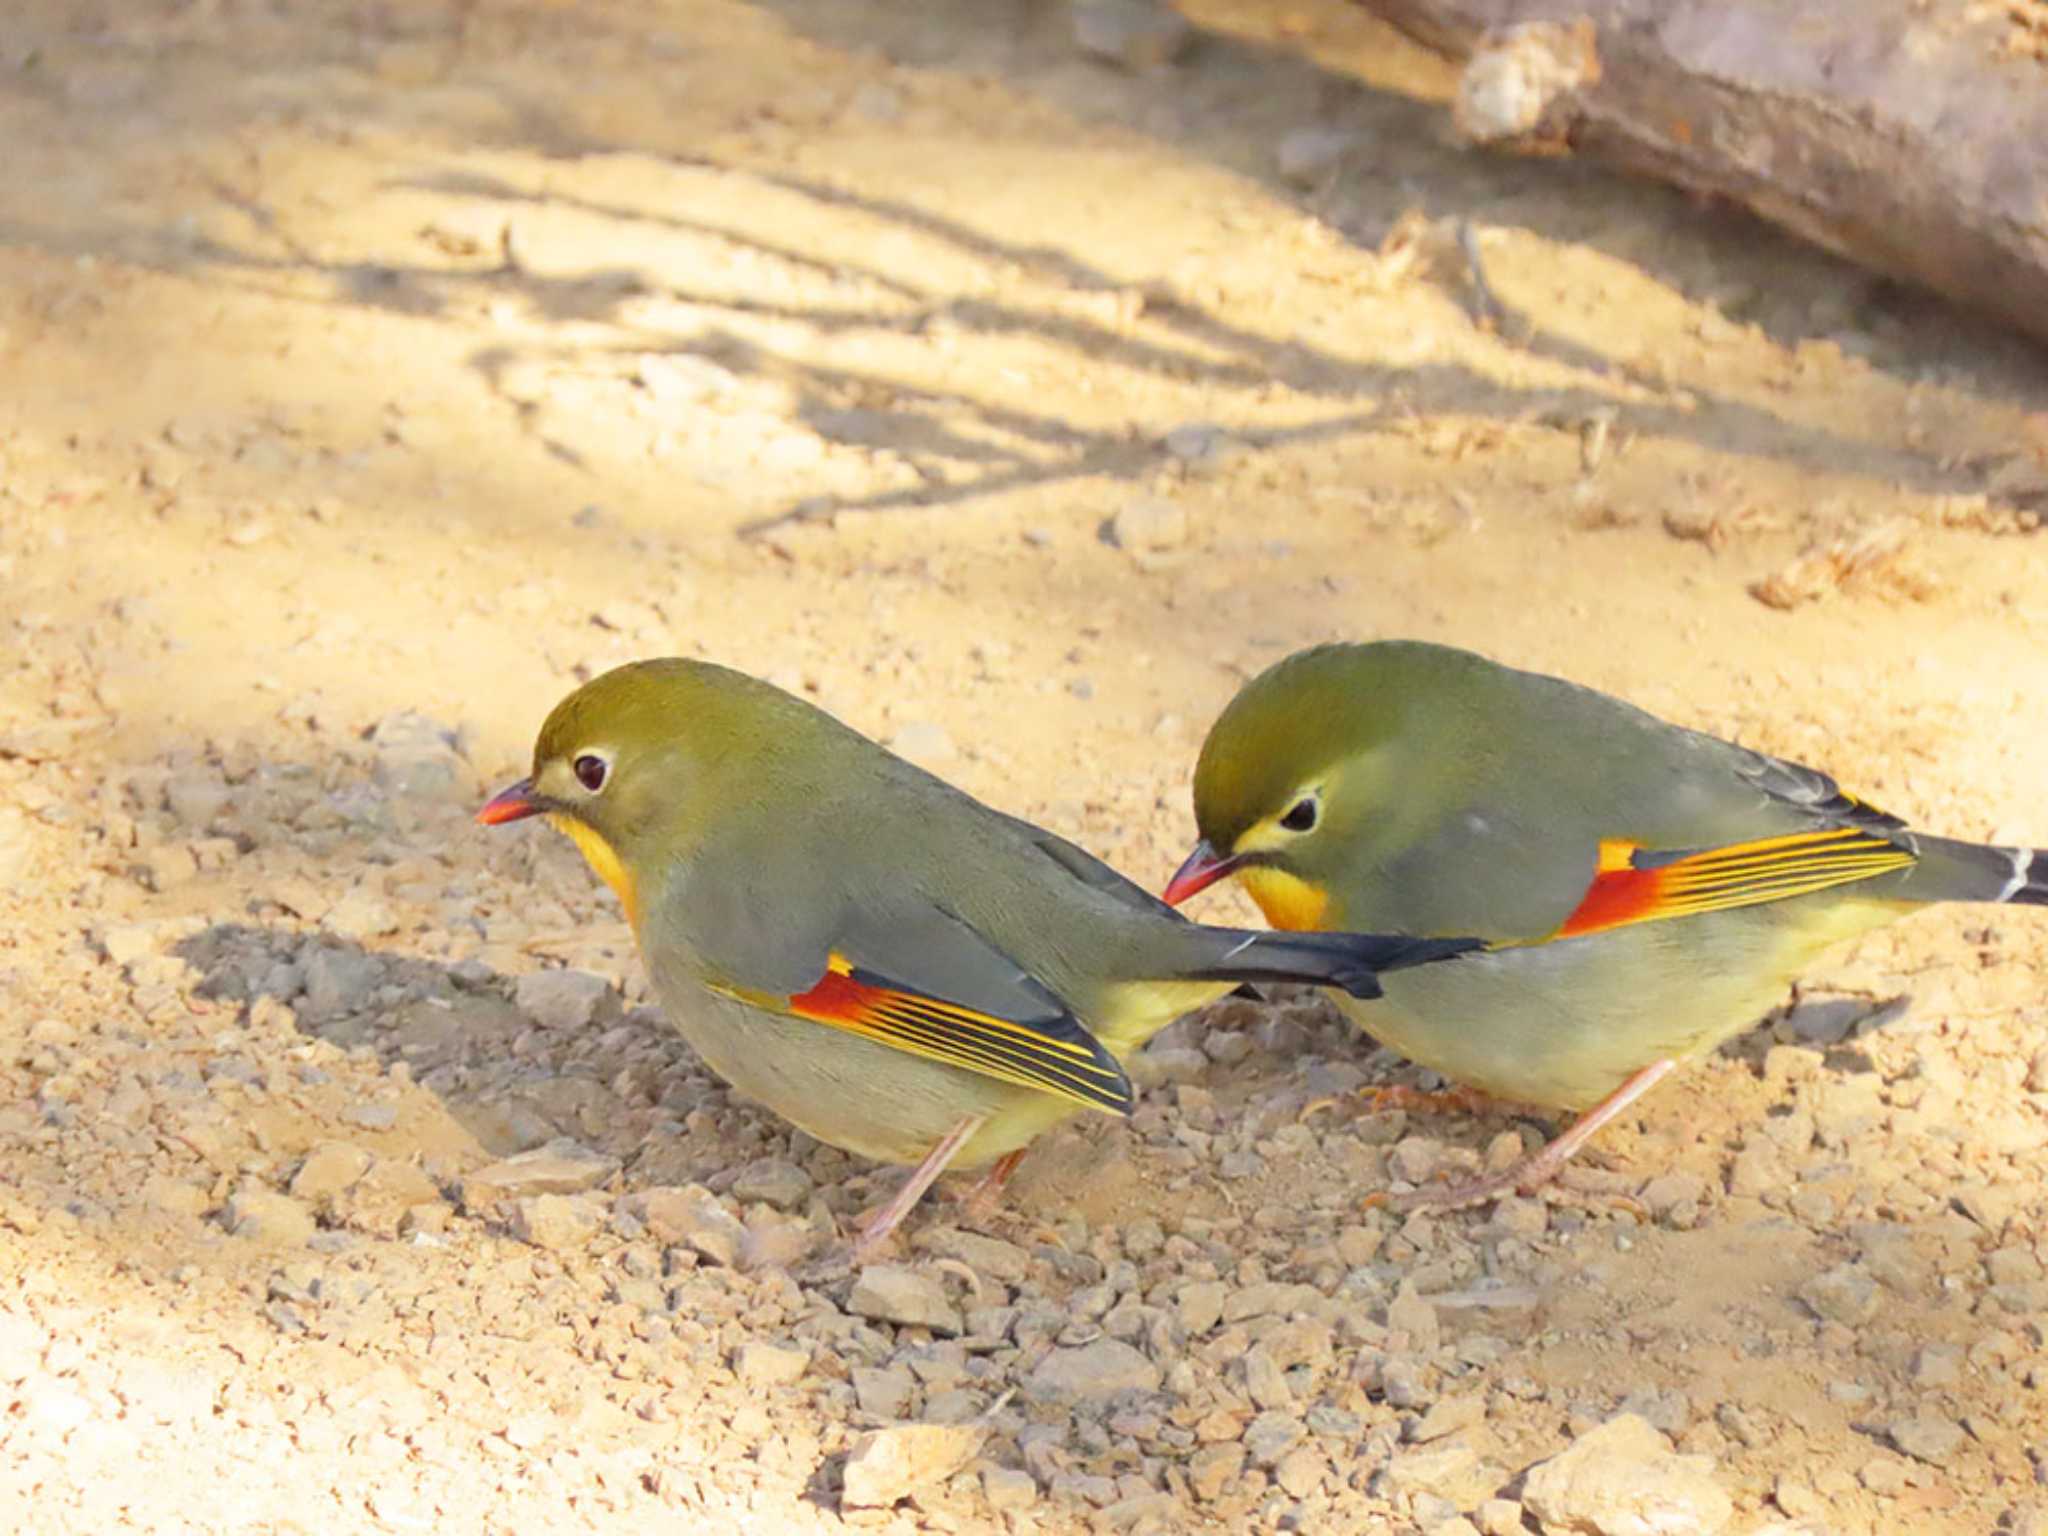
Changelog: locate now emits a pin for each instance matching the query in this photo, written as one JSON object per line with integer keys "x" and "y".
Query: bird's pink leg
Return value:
{"x": 1538, "y": 1169}
{"x": 887, "y": 1219}
{"x": 982, "y": 1200}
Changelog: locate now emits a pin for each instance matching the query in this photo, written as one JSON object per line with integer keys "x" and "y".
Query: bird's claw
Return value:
{"x": 1443, "y": 1101}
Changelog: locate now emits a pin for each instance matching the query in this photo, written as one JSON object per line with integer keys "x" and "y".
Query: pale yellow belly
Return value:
{"x": 1563, "y": 1025}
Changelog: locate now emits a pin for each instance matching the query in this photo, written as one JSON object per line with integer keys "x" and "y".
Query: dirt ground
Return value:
{"x": 377, "y": 371}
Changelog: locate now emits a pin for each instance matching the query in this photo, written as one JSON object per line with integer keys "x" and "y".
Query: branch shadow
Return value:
{"x": 957, "y": 443}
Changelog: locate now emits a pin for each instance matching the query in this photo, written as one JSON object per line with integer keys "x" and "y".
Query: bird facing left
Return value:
{"x": 884, "y": 961}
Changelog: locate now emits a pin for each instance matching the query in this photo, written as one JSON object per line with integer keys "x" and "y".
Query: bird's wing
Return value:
{"x": 1744, "y": 830}
{"x": 1634, "y": 884}
{"x": 1083, "y": 866}
{"x": 927, "y": 983}
{"x": 1807, "y": 790}
{"x": 1626, "y": 819}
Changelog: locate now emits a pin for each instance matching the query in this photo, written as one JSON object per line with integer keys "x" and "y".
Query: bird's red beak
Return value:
{"x": 510, "y": 804}
{"x": 1203, "y": 868}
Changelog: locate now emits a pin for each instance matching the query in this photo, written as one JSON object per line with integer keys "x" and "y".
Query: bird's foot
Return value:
{"x": 986, "y": 1197}
{"x": 1455, "y": 1100}
{"x": 1537, "y": 1170}
{"x": 885, "y": 1221}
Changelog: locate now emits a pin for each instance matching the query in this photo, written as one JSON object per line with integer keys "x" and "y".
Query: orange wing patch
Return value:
{"x": 1054, "y": 1055}
{"x": 1632, "y": 884}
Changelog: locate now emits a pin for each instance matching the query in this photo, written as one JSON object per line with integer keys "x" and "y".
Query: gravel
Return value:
{"x": 355, "y": 1181}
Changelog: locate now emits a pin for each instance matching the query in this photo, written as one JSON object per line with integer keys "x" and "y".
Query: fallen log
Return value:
{"x": 1908, "y": 136}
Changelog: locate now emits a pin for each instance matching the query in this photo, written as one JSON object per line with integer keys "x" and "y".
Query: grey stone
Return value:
{"x": 1757, "y": 1170}
{"x": 561, "y": 1167}
{"x": 1008, "y": 1488}
{"x": 1265, "y": 1383}
{"x": 1214, "y": 1468}
{"x": 774, "y": 1181}
{"x": 1091, "y": 1373}
{"x": 1272, "y": 1435}
{"x": 419, "y": 758}
{"x": 1410, "y": 1314}
{"x": 1416, "y": 1158}
{"x": 1844, "y": 1294}
{"x": 1405, "y": 1382}
{"x": 1163, "y": 1065}
{"x": 885, "y": 1391}
{"x": 339, "y": 981}
{"x": 1937, "y": 1365}
{"x": 1668, "y": 1192}
{"x": 1665, "y": 1408}
{"x": 1826, "y": 1021}
{"x": 565, "y": 999}
{"x": 691, "y": 1217}
{"x": 1927, "y": 1437}
{"x": 1227, "y": 1046}
{"x": 895, "y": 1293}
{"x": 371, "y": 1117}
{"x": 989, "y": 1256}
{"x": 1199, "y": 1305}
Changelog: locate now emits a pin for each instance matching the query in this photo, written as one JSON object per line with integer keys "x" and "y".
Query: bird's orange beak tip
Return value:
{"x": 512, "y": 803}
{"x": 1201, "y": 869}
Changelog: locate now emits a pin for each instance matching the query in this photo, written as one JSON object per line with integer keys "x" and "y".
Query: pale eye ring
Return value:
{"x": 1301, "y": 816}
{"x": 591, "y": 771}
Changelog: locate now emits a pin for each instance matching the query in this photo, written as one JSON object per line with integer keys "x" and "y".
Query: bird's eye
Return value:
{"x": 590, "y": 771}
{"x": 1301, "y": 816}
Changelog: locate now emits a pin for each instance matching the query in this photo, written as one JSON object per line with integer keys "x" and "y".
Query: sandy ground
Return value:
{"x": 375, "y": 372}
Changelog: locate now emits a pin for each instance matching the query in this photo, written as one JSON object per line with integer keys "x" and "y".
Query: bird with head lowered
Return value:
{"x": 1646, "y": 891}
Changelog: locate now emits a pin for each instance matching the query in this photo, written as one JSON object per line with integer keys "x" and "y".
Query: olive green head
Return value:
{"x": 646, "y": 756}
{"x": 1299, "y": 765}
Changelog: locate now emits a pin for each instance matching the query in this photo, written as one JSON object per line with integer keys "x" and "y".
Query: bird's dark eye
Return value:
{"x": 590, "y": 771}
{"x": 1301, "y": 816}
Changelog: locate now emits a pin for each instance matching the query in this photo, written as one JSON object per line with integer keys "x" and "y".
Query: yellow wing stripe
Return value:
{"x": 1055, "y": 1055}
{"x": 1633, "y": 885}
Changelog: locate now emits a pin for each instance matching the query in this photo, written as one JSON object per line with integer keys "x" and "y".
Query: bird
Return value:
{"x": 885, "y": 962}
{"x": 1646, "y": 891}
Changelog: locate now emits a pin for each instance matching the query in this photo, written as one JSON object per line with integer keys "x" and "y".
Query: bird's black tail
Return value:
{"x": 1352, "y": 961}
{"x": 1953, "y": 871}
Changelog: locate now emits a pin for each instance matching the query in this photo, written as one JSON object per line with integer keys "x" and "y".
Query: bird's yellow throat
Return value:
{"x": 1287, "y": 900}
{"x": 602, "y": 858}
